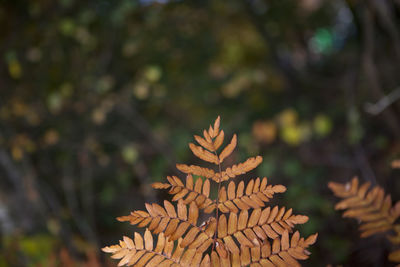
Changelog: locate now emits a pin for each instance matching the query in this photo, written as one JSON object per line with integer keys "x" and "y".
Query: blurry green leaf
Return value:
{"x": 291, "y": 134}
{"x": 67, "y": 27}
{"x": 130, "y": 153}
{"x": 233, "y": 52}
{"x": 37, "y": 247}
{"x": 322, "y": 125}
{"x": 153, "y": 73}
{"x": 15, "y": 69}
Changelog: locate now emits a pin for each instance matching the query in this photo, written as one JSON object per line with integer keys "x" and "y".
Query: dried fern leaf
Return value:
{"x": 215, "y": 130}
{"x": 228, "y": 149}
{"x": 218, "y": 140}
{"x": 254, "y": 195}
{"x": 244, "y": 230}
{"x": 370, "y": 206}
{"x": 281, "y": 251}
{"x": 228, "y": 173}
{"x": 194, "y": 192}
{"x": 204, "y": 143}
{"x": 238, "y": 169}
{"x": 204, "y": 154}
{"x": 196, "y": 170}
{"x": 201, "y": 240}
{"x": 140, "y": 252}
{"x": 173, "y": 223}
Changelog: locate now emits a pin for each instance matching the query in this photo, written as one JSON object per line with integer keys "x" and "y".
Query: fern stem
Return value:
{"x": 217, "y": 201}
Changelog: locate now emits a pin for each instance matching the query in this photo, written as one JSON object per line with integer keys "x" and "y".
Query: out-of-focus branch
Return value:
{"x": 383, "y": 103}
{"x": 371, "y": 71}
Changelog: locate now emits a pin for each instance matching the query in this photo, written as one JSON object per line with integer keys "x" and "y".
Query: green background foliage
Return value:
{"x": 100, "y": 98}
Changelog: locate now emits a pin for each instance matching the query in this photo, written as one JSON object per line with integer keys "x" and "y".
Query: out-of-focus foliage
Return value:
{"x": 98, "y": 99}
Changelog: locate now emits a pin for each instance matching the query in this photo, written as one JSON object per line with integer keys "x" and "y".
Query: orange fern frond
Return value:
{"x": 173, "y": 223}
{"x": 141, "y": 252}
{"x": 228, "y": 173}
{"x": 194, "y": 192}
{"x": 371, "y": 207}
{"x": 283, "y": 251}
{"x": 253, "y": 230}
{"x": 242, "y": 232}
{"x": 239, "y": 169}
{"x": 227, "y": 151}
{"x": 256, "y": 193}
{"x": 196, "y": 170}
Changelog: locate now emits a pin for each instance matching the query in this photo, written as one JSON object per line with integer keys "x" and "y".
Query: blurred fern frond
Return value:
{"x": 372, "y": 207}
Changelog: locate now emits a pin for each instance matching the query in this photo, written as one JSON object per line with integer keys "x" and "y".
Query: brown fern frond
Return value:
{"x": 227, "y": 151}
{"x": 282, "y": 251}
{"x": 242, "y": 232}
{"x": 141, "y": 252}
{"x": 200, "y": 238}
{"x": 256, "y": 193}
{"x": 211, "y": 142}
{"x": 372, "y": 208}
{"x": 238, "y": 169}
{"x": 196, "y": 170}
{"x": 228, "y": 173}
{"x": 172, "y": 222}
{"x": 194, "y": 192}
{"x": 204, "y": 154}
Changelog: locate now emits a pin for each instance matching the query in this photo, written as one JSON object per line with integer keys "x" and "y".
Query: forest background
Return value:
{"x": 100, "y": 98}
